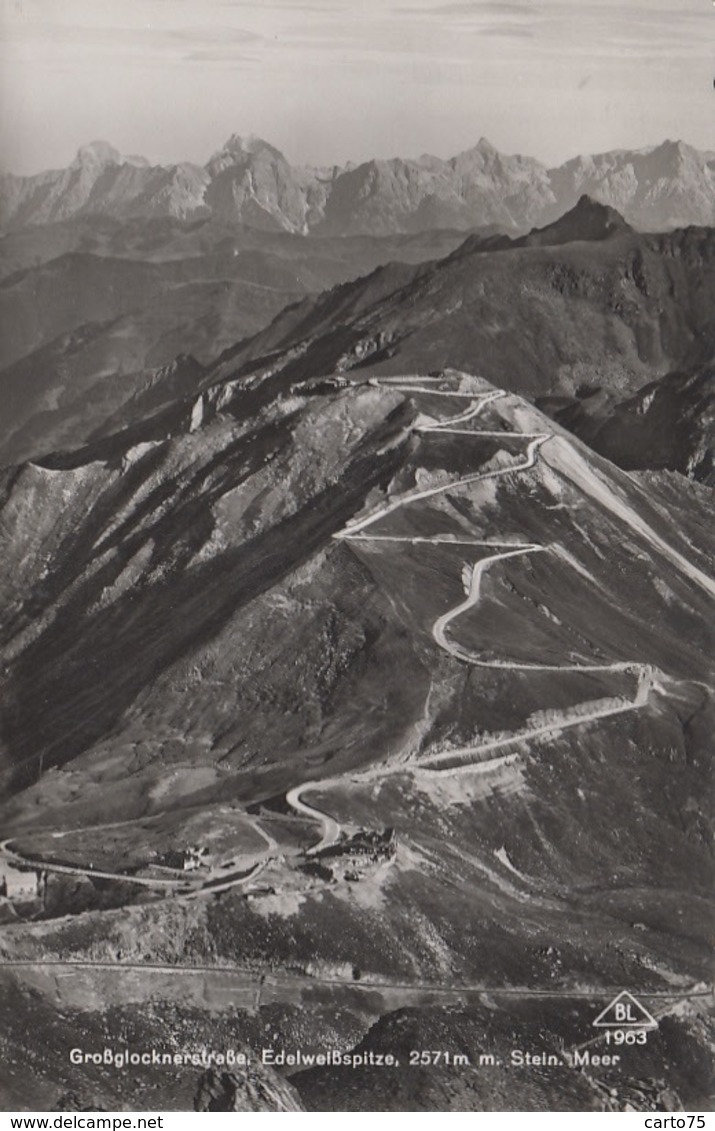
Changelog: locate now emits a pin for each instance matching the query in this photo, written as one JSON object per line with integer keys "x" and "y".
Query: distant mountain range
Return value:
{"x": 585, "y": 316}
{"x": 94, "y": 310}
{"x": 250, "y": 182}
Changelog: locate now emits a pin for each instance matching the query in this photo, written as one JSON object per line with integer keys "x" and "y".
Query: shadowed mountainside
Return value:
{"x": 585, "y": 306}
{"x": 95, "y": 311}
{"x": 582, "y": 314}
{"x": 668, "y": 423}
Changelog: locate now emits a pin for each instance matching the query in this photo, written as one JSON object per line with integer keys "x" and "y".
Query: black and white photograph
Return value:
{"x": 357, "y": 557}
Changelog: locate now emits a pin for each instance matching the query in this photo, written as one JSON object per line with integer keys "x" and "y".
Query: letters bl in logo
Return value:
{"x": 625, "y": 1012}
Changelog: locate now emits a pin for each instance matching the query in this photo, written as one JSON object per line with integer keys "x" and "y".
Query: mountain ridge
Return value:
{"x": 250, "y": 181}
{"x": 602, "y": 311}
{"x": 604, "y": 275}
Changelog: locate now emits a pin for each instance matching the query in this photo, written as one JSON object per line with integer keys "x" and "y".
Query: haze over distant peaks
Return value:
{"x": 249, "y": 181}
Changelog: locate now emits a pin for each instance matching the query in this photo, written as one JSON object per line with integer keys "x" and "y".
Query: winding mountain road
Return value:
{"x": 473, "y": 758}
{"x": 473, "y": 755}
{"x": 357, "y": 530}
{"x": 331, "y": 828}
{"x": 191, "y": 884}
{"x": 476, "y": 574}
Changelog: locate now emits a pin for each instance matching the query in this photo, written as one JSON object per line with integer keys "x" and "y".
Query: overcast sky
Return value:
{"x": 329, "y": 80}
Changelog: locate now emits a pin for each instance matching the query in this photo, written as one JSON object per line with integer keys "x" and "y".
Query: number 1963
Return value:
{"x": 626, "y": 1036}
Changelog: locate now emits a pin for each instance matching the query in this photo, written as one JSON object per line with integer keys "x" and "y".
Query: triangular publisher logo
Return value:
{"x": 625, "y": 1012}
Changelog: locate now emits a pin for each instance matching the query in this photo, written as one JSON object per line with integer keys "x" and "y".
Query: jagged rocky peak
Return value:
{"x": 483, "y": 153}
{"x": 594, "y": 213}
{"x": 97, "y": 153}
{"x": 484, "y": 146}
{"x": 100, "y": 154}
{"x": 589, "y": 219}
{"x": 669, "y": 186}
{"x": 675, "y": 150}
{"x": 252, "y": 143}
{"x": 240, "y": 149}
